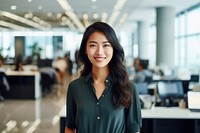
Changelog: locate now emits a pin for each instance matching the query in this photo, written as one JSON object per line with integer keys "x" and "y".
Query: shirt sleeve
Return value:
{"x": 133, "y": 113}
{"x": 70, "y": 109}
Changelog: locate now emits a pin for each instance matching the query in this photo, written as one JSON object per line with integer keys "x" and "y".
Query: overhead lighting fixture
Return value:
{"x": 36, "y": 19}
{"x": 69, "y": 12}
{"x": 119, "y": 4}
{"x": 95, "y": 15}
{"x": 40, "y": 7}
{"x": 12, "y": 26}
{"x": 59, "y": 15}
{"x": 122, "y": 20}
{"x": 86, "y": 19}
{"x": 113, "y": 17}
{"x": 29, "y": 0}
{"x": 13, "y": 7}
{"x": 49, "y": 14}
{"x": 28, "y": 15}
{"x": 23, "y": 20}
{"x": 94, "y": 0}
{"x": 116, "y": 11}
{"x": 104, "y": 17}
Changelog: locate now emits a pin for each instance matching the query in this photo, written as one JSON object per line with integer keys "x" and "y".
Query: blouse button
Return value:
{"x": 97, "y": 103}
{"x": 106, "y": 81}
{"x": 102, "y": 95}
{"x": 98, "y": 118}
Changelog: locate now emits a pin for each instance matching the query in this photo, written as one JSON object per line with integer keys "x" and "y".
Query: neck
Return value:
{"x": 100, "y": 74}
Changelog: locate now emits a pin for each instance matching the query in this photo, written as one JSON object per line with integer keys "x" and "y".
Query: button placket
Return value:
{"x": 98, "y": 110}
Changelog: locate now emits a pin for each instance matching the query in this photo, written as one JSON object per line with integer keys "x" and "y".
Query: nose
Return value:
{"x": 99, "y": 50}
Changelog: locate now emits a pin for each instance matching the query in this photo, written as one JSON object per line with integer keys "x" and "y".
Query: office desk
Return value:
{"x": 160, "y": 120}
{"x": 23, "y": 85}
{"x": 170, "y": 120}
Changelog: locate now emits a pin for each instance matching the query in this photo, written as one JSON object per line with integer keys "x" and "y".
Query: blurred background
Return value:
{"x": 39, "y": 42}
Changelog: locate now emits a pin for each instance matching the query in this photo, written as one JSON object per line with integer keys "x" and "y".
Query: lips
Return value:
{"x": 99, "y": 59}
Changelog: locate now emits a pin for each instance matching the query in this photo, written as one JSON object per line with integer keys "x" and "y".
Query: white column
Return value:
{"x": 143, "y": 40}
{"x": 165, "y": 17}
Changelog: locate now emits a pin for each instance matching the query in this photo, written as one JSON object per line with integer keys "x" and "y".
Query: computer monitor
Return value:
{"x": 170, "y": 92}
{"x": 142, "y": 88}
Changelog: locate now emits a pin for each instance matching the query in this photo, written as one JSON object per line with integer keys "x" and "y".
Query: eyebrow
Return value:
{"x": 96, "y": 42}
{"x": 92, "y": 42}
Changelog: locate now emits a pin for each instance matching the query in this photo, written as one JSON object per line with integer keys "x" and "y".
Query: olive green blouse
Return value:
{"x": 87, "y": 114}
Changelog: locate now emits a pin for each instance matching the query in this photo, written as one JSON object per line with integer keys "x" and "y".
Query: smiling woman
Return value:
{"x": 102, "y": 100}
{"x": 99, "y": 50}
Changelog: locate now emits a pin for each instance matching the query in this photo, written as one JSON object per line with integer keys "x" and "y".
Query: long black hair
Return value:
{"x": 121, "y": 91}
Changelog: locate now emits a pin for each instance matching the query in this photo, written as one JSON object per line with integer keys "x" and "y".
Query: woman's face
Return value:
{"x": 99, "y": 50}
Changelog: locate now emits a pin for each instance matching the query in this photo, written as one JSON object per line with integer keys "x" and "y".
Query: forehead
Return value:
{"x": 97, "y": 35}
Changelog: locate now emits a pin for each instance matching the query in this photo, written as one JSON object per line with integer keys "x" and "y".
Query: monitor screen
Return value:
{"x": 170, "y": 90}
{"x": 142, "y": 88}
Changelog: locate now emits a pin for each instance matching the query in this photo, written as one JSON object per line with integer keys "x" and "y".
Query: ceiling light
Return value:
{"x": 119, "y": 4}
{"x": 59, "y": 15}
{"x": 49, "y": 14}
{"x": 64, "y": 4}
{"x": 113, "y": 17}
{"x": 28, "y": 15}
{"x": 40, "y": 7}
{"x": 29, "y": 0}
{"x": 36, "y": 19}
{"x": 116, "y": 11}
{"x": 123, "y": 18}
{"x": 69, "y": 12}
{"x": 22, "y": 20}
{"x": 85, "y": 16}
{"x": 95, "y": 15}
{"x": 12, "y": 26}
{"x": 64, "y": 18}
{"x": 13, "y": 7}
{"x": 86, "y": 19}
{"x": 94, "y": 0}
{"x": 104, "y": 17}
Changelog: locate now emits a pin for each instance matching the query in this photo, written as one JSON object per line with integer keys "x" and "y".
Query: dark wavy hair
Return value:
{"x": 121, "y": 91}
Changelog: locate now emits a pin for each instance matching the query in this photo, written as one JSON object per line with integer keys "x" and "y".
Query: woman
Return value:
{"x": 102, "y": 100}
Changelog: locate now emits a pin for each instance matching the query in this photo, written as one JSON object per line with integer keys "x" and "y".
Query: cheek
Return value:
{"x": 110, "y": 52}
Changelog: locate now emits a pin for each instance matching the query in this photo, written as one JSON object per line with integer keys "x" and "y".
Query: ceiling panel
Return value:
{"x": 51, "y": 12}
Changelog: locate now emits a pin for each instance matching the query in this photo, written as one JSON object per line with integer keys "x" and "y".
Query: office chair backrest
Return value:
{"x": 4, "y": 85}
{"x": 149, "y": 79}
{"x": 194, "y": 78}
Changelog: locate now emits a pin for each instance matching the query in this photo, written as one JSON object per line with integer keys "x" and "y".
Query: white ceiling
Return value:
{"x": 136, "y": 10}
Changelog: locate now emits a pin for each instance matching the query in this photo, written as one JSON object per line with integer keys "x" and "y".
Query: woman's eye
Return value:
{"x": 92, "y": 45}
{"x": 106, "y": 45}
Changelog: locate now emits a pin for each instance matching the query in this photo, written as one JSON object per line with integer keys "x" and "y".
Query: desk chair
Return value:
{"x": 4, "y": 86}
{"x": 47, "y": 81}
{"x": 148, "y": 79}
{"x": 194, "y": 78}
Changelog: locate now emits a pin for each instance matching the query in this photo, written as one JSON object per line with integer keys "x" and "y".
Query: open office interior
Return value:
{"x": 34, "y": 35}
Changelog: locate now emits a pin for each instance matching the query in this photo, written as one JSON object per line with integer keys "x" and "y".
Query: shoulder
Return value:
{"x": 133, "y": 86}
{"x": 77, "y": 83}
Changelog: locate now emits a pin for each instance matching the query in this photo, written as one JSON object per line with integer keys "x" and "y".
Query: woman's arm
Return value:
{"x": 69, "y": 130}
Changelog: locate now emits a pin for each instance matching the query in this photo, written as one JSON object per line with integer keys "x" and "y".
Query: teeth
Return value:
{"x": 99, "y": 58}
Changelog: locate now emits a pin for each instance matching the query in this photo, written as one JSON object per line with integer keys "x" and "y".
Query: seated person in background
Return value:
{"x": 142, "y": 73}
{"x": 18, "y": 64}
{"x": 1, "y": 65}
{"x": 136, "y": 64}
{"x": 60, "y": 65}
{"x": 4, "y": 85}
{"x": 48, "y": 82}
